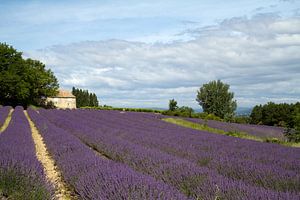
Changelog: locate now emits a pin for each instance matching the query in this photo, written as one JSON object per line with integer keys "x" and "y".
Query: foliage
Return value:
{"x": 84, "y": 98}
{"x": 293, "y": 133}
{"x": 23, "y": 82}
{"x": 274, "y": 140}
{"x": 185, "y": 111}
{"x": 297, "y": 125}
{"x": 174, "y": 110}
{"x": 272, "y": 114}
{"x": 243, "y": 119}
{"x": 212, "y": 117}
{"x": 215, "y": 98}
{"x": 172, "y": 105}
{"x": 283, "y": 114}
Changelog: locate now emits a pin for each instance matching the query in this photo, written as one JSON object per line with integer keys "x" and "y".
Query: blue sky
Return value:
{"x": 143, "y": 53}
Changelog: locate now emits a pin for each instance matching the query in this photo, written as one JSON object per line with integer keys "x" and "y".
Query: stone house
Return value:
{"x": 64, "y": 99}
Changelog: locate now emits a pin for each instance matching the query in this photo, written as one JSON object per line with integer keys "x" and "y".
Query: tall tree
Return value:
{"x": 84, "y": 98}
{"x": 95, "y": 100}
{"x": 296, "y": 136}
{"x": 43, "y": 83}
{"x": 23, "y": 82}
{"x": 257, "y": 114}
{"x": 172, "y": 105}
{"x": 215, "y": 98}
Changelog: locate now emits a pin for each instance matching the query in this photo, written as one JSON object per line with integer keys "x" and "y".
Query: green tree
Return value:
{"x": 23, "y": 82}
{"x": 293, "y": 133}
{"x": 172, "y": 105}
{"x": 43, "y": 83}
{"x": 84, "y": 98}
{"x": 185, "y": 111}
{"x": 215, "y": 98}
{"x": 296, "y": 137}
{"x": 256, "y": 114}
{"x": 274, "y": 114}
{"x": 95, "y": 100}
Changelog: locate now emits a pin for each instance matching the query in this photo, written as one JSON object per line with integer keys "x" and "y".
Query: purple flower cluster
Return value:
{"x": 261, "y": 131}
{"x": 3, "y": 114}
{"x": 18, "y": 160}
{"x": 94, "y": 177}
{"x": 199, "y": 164}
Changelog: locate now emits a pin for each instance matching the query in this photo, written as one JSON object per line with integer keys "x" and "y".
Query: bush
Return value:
{"x": 273, "y": 140}
{"x": 183, "y": 111}
{"x": 292, "y": 135}
{"x": 243, "y": 119}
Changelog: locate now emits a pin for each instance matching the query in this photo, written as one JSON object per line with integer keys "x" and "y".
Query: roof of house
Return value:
{"x": 65, "y": 94}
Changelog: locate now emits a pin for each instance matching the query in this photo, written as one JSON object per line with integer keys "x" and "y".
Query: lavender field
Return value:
{"x": 126, "y": 155}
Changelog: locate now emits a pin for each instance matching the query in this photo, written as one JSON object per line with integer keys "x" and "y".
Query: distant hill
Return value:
{"x": 243, "y": 111}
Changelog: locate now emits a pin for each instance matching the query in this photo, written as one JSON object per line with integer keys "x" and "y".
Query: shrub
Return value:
{"x": 183, "y": 111}
{"x": 292, "y": 135}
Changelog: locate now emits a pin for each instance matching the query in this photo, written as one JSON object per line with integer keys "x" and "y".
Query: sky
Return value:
{"x": 139, "y": 53}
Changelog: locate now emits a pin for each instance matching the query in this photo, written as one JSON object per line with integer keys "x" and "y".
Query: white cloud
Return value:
{"x": 258, "y": 57}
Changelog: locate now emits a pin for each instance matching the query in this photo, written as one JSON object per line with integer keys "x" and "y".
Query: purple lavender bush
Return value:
{"x": 93, "y": 177}
{"x": 166, "y": 152}
{"x": 4, "y": 113}
{"x": 21, "y": 174}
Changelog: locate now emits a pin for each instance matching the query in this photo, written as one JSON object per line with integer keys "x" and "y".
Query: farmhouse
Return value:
{"x": 64, "y": 99}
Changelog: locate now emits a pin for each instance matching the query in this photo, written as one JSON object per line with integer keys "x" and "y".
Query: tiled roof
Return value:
{"x": 65, "y": 93}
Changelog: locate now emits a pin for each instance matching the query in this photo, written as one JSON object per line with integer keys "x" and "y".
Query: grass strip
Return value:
{"x": 239, "y": 134}
{"x": 203, "y": 127}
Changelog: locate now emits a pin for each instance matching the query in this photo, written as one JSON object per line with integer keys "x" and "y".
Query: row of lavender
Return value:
{"x": 282, "y": 156}
{"x": 21, "y": 174}
{"x": 181, "y": 157}
{"x": 261, "y": 131}
{"x": 3, "y": 114}
{"x": 93, "y": 177}
{"x": 269, "y": 160}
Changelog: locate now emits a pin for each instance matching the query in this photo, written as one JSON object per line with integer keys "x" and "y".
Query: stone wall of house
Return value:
{"x": 63, "y": 102}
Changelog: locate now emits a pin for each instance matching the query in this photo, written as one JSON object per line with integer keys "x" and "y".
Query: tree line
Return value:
{"x": 84, "y": 98}
{"x": 282, "y": 114}
{"x": 273, "y": 114}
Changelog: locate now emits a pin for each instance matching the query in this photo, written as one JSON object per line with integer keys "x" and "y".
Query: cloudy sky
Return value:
{"x": 139, "y": 53}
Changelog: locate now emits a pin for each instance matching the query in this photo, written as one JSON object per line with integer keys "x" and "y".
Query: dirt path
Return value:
{"x": 6, "y": 122}
{"x": 53, "y": 175}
